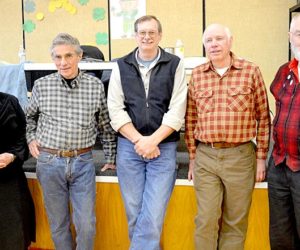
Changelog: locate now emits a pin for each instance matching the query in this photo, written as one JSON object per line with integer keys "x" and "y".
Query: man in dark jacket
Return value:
{"x": 284, "y": 165}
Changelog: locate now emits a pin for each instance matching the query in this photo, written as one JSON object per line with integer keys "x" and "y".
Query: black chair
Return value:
{"x": 92, "y": 54}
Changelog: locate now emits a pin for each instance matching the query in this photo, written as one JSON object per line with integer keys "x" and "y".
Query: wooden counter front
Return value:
{"x": 111, "y": 225}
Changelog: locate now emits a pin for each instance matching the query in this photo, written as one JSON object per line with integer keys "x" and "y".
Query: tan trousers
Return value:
{"x": 223, "y": 181}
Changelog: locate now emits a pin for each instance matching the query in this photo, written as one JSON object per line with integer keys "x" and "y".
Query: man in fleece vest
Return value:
{"x": 147, "y": 103}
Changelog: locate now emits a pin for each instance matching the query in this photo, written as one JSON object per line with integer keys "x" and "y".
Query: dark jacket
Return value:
{"x": 17, "y": 216}
{"x": 147, "y": 113}
{"x": 286, "y": 124}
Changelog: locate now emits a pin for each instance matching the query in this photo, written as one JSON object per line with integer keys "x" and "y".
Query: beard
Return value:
{"x": 296, "y": 52}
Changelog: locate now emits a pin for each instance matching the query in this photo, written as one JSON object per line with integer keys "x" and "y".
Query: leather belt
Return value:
{"x": 223, "y": 144}
{"x": 66, "y": 153}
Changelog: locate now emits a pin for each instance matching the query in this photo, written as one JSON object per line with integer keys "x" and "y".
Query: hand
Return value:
{"x": 146, "y": 148}
{"x": 191, "y": 170}
{"x": 260, "y": 170}
{"x": 34, "y": 148}
{"x": 6, "y": 159}
{"x": 154, "y": 154}
{"x": 108, "y": 166}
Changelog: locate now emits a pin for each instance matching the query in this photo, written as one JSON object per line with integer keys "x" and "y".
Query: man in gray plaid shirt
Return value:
{"x": 63, "y": 115}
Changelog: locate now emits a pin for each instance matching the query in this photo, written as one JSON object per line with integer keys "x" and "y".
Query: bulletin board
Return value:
{"x": 180, "y": 20}
{"x": 43, "y": 20}
{"x": 88, "y": 20}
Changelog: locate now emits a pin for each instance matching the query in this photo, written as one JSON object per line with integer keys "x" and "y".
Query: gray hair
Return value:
{"x": 226, "y": 29}
{"x": 147, "y": 18}
{"x": 292, "y": 25}
{"x": 65, "y": 39}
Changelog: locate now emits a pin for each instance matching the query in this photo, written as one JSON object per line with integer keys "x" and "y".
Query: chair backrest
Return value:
{"x": 91, "y": 52}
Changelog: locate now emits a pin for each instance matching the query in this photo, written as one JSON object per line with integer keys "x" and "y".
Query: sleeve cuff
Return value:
{"x": 176, "y": 125}
{"x": 261, "y": 154}
{"x": 116, "y": 125}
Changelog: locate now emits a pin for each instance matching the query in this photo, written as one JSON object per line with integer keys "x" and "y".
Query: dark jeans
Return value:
{"x": 284, "y": 206}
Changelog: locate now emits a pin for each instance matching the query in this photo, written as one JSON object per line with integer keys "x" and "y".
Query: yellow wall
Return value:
{"x": 259, "y": 29}
{"x": 10, "y": 30}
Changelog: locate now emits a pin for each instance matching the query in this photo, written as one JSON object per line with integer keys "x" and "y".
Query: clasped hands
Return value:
{"x": 146, "y": 147}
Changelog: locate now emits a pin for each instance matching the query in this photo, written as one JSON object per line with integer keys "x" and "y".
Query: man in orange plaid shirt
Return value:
{"x": 227, "y": 109}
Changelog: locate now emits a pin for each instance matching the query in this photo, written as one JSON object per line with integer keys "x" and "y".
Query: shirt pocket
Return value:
{"x": 85, "y": 115}
{"x": 204, "y": 100}
{"x": 239, "y": 98}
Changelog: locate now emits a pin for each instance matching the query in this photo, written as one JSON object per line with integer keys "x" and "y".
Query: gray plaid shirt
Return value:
{"x": 60, "y": 117}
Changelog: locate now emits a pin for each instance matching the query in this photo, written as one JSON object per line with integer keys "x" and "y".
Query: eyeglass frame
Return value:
{"x": 143, "y": 33}
{"x": 67, "y": 57}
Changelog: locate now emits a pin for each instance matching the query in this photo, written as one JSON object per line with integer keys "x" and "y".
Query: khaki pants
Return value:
{"x": 223, "y": 181}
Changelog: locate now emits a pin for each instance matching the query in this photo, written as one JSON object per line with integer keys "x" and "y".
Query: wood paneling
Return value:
{"x": 111, "y": 225}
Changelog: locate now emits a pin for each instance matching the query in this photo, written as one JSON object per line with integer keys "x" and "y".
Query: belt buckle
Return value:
{"x": 67, "y": 153}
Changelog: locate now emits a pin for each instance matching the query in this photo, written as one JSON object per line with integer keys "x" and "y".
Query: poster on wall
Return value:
{"x": 123, "y": 14}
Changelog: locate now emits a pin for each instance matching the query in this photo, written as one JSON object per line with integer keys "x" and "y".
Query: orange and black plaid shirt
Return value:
{"x": 230, "y": 108}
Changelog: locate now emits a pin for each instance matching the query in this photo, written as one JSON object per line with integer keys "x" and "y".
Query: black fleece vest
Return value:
{"x": 147, "y": 113}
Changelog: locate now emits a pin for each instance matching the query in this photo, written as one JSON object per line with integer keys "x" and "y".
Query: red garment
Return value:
{"x": 230, "y": 108}
{"x": 286, "y": 132}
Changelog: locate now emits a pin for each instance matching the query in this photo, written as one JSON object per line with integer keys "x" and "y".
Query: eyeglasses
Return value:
{"x": 149, "y": 33}
{"x": 67, "y": 57}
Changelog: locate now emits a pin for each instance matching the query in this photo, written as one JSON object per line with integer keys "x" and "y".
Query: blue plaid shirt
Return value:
{"x": 67, "y": 118}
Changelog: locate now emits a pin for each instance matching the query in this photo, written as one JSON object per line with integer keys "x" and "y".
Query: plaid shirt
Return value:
{"x": 230, "y": 108}
{"x": 286, "y": 132}
{"x": 60, "y": 117}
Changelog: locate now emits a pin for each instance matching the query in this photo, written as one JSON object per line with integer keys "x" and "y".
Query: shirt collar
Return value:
{"x": 235, "y": 63}
{"x": 74, "y": 83}
{"x": 153, "y": 62}
{"x": 293, "y": 66}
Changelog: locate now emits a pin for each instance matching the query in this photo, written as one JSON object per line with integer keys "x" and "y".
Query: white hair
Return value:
{"x": 226, "y": 29}
{"x": 65, "y": 39}
{"x": 294, "y": 19}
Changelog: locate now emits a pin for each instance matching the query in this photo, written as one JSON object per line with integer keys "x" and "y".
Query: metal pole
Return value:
{"x": 203, "y": 23}
{"x": 23, "y": 32}
{"x": 109, "y": 33}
